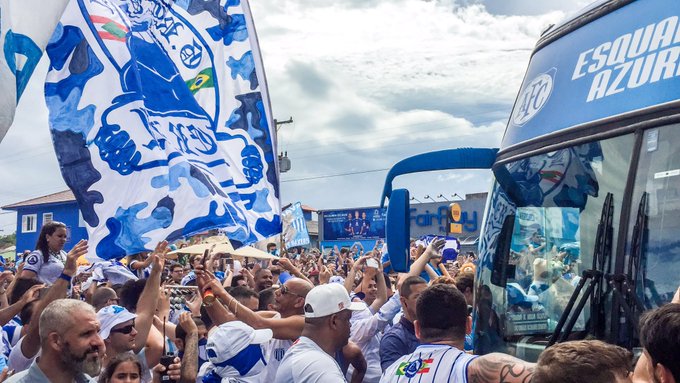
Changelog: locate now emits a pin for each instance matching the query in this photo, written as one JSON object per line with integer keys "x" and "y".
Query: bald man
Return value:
{"x": 286, "y": 325}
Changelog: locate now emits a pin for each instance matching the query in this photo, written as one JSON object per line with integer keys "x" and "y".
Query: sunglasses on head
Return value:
{"x": 284, "y": 290}
{"x": 124, "y": 330}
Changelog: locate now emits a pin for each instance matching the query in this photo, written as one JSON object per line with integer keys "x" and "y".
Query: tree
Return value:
{"x": 8, "y": 240}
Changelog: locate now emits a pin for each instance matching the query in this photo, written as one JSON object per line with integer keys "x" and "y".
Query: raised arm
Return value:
{"x": 190, "y": 358}
{"x": 351, "y": 274}
{"x": 381, "y": 297}
{"x": 287, "y": 265}
{"x": 499, "y": 368}
{"x": 146, "y": 305}
{"x": 433, "y": 250}
{"x": 283, "y": 328}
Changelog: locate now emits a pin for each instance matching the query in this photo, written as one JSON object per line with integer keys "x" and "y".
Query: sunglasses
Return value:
{"x": 124, "y": 330}
{"x": 284, "y": 290}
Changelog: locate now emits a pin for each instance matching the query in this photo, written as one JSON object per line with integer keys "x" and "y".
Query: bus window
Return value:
{"x": 557, "y": 201}
{"x": 658, "y": 175}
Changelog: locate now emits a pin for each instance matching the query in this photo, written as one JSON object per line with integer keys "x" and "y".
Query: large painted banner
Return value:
{"x": 161, "y": 122}
{"x": 294, "y": 226}
{"x": 25, "y": 28}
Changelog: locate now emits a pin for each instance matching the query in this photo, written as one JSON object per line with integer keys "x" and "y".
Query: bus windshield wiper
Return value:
{"x": 594, "y": 277}
{"x": 624, "y": 286}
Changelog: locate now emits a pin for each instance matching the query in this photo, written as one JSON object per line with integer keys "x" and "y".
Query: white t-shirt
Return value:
{"x": 305, "y": 362}
{"x": 430, "y": 363}
{"x": 46, "y": 272}
{"x": 17, "y": 361}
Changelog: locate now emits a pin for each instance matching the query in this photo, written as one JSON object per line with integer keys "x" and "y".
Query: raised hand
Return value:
{"x": 71, "y": 264}
{"x": 324, "y": 275}
{"x": 31, "y": 295}
{"x": 435, "y": 247}
{"x": 174, "y": 371}
{"x": 187, "y": 323}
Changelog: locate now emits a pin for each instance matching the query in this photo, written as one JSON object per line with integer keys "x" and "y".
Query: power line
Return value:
{"x": 334, "y": 175}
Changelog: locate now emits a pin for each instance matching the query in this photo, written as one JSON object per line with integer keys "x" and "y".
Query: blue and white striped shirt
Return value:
{"x": 430, "y": 363}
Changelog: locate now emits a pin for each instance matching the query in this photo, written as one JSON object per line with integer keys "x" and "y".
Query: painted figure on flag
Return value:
{"x": 161, "y": 121}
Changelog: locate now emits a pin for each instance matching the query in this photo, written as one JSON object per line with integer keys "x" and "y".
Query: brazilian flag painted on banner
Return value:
{"x": 203, "y": 80}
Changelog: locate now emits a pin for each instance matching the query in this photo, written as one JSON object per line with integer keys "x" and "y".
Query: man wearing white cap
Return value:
{"x": 236, "y": 353}
{"x": 327, "y": 327}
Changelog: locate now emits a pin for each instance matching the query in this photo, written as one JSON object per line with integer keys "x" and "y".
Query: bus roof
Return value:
{"x": 614, "y": 58}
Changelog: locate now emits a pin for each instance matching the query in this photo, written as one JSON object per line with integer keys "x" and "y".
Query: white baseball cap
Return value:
{"x": 328, "y": 299}
{"x": 111, "y": 316}
{"x": 229, "y": 339}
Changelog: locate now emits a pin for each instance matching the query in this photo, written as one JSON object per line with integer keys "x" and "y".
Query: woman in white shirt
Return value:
{"x": 46, "y": 262}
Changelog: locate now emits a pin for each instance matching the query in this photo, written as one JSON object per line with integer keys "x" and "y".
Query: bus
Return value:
{"x": 581, "y": 230}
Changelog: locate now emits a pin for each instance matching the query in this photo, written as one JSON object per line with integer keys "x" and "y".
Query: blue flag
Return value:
{"x": 161, "y": 122}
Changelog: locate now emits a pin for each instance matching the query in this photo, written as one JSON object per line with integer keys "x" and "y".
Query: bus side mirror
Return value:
{"x": 398, "y": 231}
{"x": 501, "y": 259}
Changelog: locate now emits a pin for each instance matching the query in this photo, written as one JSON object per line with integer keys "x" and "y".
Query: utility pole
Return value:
{"x": 279, "y": 123}
{"x": 284, "y": 161}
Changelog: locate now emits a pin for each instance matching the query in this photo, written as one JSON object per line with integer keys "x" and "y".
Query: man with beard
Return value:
{"x": 71, "y": 348}
{"x": 263, "y": 279}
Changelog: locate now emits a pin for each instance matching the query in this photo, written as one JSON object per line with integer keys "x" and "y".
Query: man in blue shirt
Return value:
{"x": 401, "y": 339}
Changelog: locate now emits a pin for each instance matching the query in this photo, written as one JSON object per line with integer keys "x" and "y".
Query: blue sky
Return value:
{"x": 367, "y": 83}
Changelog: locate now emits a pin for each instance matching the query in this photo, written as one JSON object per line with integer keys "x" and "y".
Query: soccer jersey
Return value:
{"x": 46, "y": 272}
{"x": 430, "y": 363}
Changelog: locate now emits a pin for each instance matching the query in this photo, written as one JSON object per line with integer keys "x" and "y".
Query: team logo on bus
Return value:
{"x": 534, "y": 97}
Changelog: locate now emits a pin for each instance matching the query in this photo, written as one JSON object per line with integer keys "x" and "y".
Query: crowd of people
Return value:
{"x": 301, "y": 317}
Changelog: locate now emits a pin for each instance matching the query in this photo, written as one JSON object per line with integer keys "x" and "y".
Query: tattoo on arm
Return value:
{"x": 500, "y": 368}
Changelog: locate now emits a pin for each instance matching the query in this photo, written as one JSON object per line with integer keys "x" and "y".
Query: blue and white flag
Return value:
{"x": 25, "y": 28}
{"x": 294, "y": 226}
{"x": 451, "y": 247}
{"x": 161, "y": 122}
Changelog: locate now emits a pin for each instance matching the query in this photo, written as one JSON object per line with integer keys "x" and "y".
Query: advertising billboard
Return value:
{"x": 354, "y": 224}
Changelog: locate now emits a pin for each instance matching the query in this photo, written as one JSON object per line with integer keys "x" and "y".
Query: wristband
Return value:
{"x": 66, "y": 278}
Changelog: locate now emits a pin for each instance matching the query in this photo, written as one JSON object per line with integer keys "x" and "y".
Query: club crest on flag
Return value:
{"x": 158, "y": 129}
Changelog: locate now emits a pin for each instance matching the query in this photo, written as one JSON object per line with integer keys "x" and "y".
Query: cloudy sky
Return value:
{"x": 367, "y": 82}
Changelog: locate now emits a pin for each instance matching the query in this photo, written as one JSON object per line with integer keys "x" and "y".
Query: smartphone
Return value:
{"x": 229, "y": 261}
{"x": 372, "y": 263}
{"x": 204, "y": 260}
{"x": 275, "y": 262}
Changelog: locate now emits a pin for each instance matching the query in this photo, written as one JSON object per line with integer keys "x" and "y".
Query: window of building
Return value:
{"x": 28, "y": 223}
{"x": 47, "y": 218}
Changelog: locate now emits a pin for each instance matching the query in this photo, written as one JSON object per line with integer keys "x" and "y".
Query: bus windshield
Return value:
{"x": 556, "y": 199}
{"x": 657, "y": 260}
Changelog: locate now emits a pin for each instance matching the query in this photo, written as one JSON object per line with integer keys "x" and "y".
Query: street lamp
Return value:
{"x": 455, "y": 195}
{"x": 442, "y": 197}
{"x": 428, "y": 197}
{"x": 415, "y": 199}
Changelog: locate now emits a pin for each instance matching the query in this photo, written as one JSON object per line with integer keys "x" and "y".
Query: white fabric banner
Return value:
{"x": 25, "y": 28}
{"x": 161, "y": 122}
